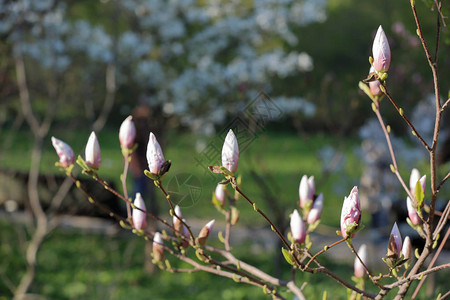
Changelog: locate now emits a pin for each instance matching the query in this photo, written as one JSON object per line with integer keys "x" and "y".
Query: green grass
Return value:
{"x": 280, "y": 158}
{"x": 76, "y": 265}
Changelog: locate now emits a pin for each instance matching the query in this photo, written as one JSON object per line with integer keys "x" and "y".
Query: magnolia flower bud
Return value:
{"x": 139, "y": 217}
{"x": 155, "y": 157}
{"x": 220, "y": 193}
{"x": 65, "y": 153}
{"x": 92, "y": 152}
{"x": 177, "y": 224}
{"x": 407, "y": 249}
{"x": 412, "y": 214}
{"x": 127, "y": 133}
{"x": 158, "y": 250}
{"x": 381, "y": 51}
{"x": 204, "y": 233}
{"x": 298, "y": 229}
{"x": 351, "y": 213}
{"x": 423, "y": 182}
{"x": 375, "y": 85}
{"x": 359, "y": 268}
{"x": 306, "y": 190}
{"x": 316, "y": 210}
{"x": 395, "y": 243}
{"x": 413, "y": 178}
{"x": 230, "y": 152}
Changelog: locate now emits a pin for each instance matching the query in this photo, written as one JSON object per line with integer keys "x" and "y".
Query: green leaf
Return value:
{"x": 82, "y": 163}
{"x": 225, "y": 171}
{"x": 418, "y": 191}
{"x": 288, "y": 256}
{"x": 151, "y": 175}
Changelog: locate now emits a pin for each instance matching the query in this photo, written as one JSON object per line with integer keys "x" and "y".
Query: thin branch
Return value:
{"x": 350, "y": 245}
{"x": 326, "y": 248}
{"x": 126, "y": 162}
{"x": 436, "y": 255}
{"x": 439, "y": 6}
{"x": 402, "y": 114}
{"x": 257, "y": 272}
{"x": 443, "y": 181}
{"x": 159, "y": 185}
{"x": 417, "y": 276}
{"x": 391, "y": 150}
{"x": 442, "y": 221}
{"x": 445, "y": 105}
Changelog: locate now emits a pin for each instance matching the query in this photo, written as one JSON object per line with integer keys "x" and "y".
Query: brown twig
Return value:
{"x": 126, "y": 163}
{"x": 326, "y": 248}
{"x": 159, "y": 185}
{"x": 350, "y": 245}
{"x": 402, "y": 114}
{"x": 436, "y": 255}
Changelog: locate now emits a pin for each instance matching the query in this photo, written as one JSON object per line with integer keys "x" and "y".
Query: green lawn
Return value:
{"x": 76, "y": 265}
{"x": 280, "y": 158}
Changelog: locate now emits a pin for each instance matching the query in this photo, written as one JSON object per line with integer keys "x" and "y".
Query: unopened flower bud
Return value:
{"x": 139, "y": 216}
{"x": 381, "y": 51}
{"x": 155, "y": 157}
{"x": 177, "y": 224}
{"x": 204, "y": 233}
{"x": 92, "y": 152}
{"x": 220, "y": 193}
{"x": 375, "y": 85}
{"x": 306, "y": 190}
{"x": 413, "y": 178}
{"x": 395, "y": 243}
{"x": 64, "y": 151}
{"x": 127, "y": 133}
{"x": 359, "y": 268}
{"x": 298, "y": 229}
{"x": 158, "y": 249}
{"x": 230, "y": 152}
{"x": 350, "y": 214}
{"x": 316, "y": 210}
{"x": 412, "y": 213}
{"x": 407, "y": 248}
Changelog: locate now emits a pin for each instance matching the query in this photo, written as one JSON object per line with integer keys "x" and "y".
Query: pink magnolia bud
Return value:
{"x": 92, "y": 152}
{"x": 306, "y": 190}
{"x": 395, "y": 234}
{"x": 220, "y": 193}
{"x": 412, "y": 214}
{"x": 158, "y": 250}
{"x": 413, "y": 178}
{"x": 230, "y": 152}
{"x": 65, "y": 153}
{"x": 139, "y": 217}
{"x": 177, "y": 224}
{"x": 127, "y": 133}
{"x": 204, "y": 233}
{"x": 407, "y": 248}
{"x": 351, "y": 212}
{"x": 375, "y": 85}
{"x": 155, "y": 157}
{"x": 316, "y": 210}
{"x": 381, "y": 51}
{"x": 359, "y": 268}
{"x": 298, "y": 229}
